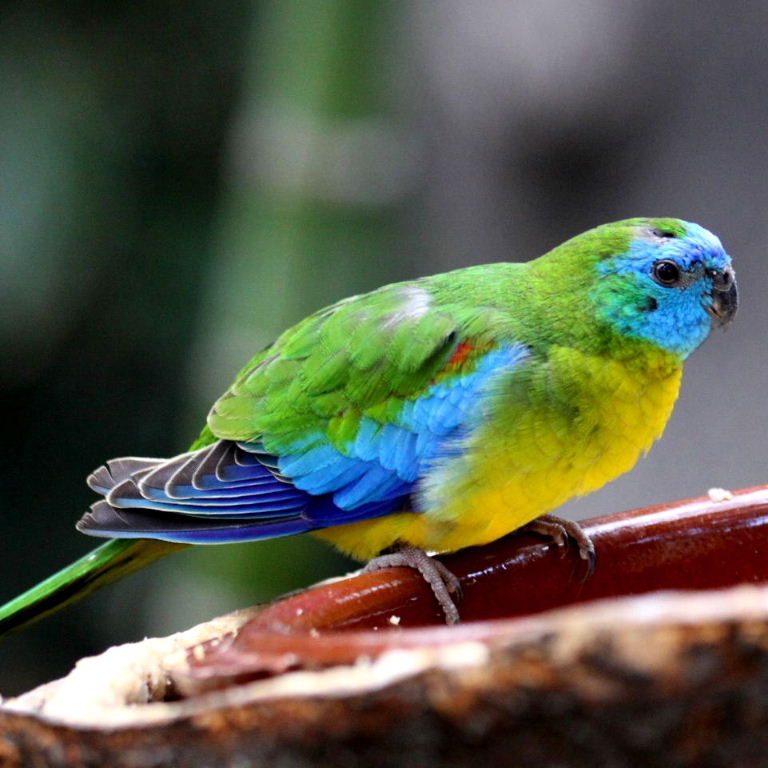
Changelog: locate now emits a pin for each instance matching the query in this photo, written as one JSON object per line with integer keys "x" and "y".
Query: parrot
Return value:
{"x": 428, "y": 415}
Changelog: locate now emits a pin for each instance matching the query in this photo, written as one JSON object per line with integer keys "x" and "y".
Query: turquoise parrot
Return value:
{"x": 428, "y": 415}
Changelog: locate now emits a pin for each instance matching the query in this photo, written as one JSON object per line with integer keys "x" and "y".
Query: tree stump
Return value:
{"x": 661, "y": 658}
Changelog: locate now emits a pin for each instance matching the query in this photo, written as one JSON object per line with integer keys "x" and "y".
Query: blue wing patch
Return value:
{"x": 387, "y": 459}
{"x": 238, "y": 491}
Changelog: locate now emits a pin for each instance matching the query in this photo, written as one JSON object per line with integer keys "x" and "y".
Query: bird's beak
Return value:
{"x": 725, "y": 296}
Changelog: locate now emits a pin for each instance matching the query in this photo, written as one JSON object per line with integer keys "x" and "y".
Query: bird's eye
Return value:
{"x": 666, "y": 272}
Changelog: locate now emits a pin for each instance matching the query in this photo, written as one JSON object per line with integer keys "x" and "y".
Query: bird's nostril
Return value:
{"x": 721, "y": 279}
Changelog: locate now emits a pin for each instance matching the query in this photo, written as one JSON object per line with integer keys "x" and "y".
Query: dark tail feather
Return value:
{"x": 105, "y": 564}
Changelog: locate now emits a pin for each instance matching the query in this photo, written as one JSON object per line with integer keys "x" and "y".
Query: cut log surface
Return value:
{"x": 661, "y": 658}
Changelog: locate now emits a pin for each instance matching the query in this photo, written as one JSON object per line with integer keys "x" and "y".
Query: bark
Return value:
{"x": 662, "y": 678}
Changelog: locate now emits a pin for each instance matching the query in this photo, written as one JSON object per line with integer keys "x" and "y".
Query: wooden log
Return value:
{"x": 605, "y": 672}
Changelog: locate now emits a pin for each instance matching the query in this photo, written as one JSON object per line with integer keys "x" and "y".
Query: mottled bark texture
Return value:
{"x": 672, "y": 678}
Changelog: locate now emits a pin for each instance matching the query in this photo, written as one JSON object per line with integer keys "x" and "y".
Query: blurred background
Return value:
{"x": 181, "y": 181}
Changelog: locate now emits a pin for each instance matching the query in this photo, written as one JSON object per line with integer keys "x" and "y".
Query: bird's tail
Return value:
{"x": 105, "y": 564}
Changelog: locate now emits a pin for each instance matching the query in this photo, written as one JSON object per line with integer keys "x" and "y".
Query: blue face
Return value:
{"x": 669, "y": 288}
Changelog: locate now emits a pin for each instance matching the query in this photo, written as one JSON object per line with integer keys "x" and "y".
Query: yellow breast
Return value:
{"x": 565, "y": 428}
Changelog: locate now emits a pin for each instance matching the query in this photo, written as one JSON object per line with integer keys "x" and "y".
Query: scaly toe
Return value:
{"x": 562, "y": 531}
{"x": 441, "y": 580}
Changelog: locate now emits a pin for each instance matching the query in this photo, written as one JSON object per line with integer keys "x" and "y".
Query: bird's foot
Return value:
{"x": 562, "y": 532}
{"x": 442, "y": 581}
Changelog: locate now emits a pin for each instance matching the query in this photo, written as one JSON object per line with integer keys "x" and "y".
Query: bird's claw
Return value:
{"x": 562, "y": 532}
{"x": 442, "y": 581}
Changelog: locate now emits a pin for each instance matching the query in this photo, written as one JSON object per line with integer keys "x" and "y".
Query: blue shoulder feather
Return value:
{"x": 237, "y": 491}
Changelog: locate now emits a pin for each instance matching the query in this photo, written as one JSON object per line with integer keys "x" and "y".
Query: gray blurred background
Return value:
{"x": 181, "y": 181}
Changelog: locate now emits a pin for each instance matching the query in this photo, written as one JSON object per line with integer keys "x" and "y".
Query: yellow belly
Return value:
{"x": 572, "y": 425}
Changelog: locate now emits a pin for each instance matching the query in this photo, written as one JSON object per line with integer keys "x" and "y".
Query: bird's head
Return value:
{"x": 670, "y": 287}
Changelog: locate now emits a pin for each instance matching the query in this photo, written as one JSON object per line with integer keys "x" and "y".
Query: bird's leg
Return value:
{"x": 563, "y": 531}
{"x": 442, "y": 581}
